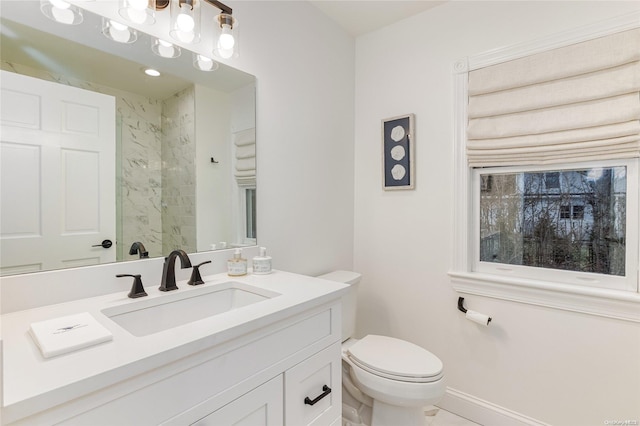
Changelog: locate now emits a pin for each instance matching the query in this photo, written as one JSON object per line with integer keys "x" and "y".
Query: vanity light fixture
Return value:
{"x": 203, "y": 63}
{"x": 61, "y": 11}
{"x": 225, "y": 44}
{"x": 138, "y": 11}
{"x": 185, "y": 24}
{"x": 116, "y": 31}
{"x": 165, "y": 49}
{"x": 185, "y": 21}
{"x": 226, "y": 36}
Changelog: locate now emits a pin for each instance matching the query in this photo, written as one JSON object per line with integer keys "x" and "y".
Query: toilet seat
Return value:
{"x": 395, "y": 359}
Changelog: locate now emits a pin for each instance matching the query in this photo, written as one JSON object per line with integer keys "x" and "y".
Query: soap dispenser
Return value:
{"x": 262, "y": 263}
{"x": 237, "y": 265}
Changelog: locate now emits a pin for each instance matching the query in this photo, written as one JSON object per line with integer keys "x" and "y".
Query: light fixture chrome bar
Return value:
{"x": 162, "y": 4}
{"x": 223, "y": 7}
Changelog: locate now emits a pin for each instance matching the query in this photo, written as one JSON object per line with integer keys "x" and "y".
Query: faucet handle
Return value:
{"x": 196, "y": 278}
{"x": 137, "y": 290}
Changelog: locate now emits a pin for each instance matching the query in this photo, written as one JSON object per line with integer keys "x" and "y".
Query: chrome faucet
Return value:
{"x": 169, "y": 269}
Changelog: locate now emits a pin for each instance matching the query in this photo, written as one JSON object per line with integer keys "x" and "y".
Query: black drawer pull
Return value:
{"x": 326, "y": 390}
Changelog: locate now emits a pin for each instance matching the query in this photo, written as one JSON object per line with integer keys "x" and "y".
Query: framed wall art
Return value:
{"x": 398, "y": 169}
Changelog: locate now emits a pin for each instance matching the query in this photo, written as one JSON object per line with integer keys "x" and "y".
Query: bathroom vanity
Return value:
{"x": 268, "y": 353}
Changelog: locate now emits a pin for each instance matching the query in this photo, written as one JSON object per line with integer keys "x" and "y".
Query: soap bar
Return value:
{"x": 69, "y": 333}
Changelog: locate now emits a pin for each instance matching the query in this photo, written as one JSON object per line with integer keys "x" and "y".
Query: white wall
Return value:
{"x": 304, "y": 65}
{"x": 554, "y": 366}
{"x": 213, "y": 181}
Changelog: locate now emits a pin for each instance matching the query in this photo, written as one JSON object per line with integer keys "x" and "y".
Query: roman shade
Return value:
{"x": 576, "y": 103}
{"x": 245, "y": 156}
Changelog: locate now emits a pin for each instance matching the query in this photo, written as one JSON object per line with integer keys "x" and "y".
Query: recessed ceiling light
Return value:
{"x": 151, "y": 72}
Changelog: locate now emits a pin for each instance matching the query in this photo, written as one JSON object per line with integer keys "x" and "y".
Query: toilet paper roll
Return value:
{"x": 474, "y": 316}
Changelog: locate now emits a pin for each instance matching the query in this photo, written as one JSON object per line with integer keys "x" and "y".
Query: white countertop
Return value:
{"x": 32, "y": 383}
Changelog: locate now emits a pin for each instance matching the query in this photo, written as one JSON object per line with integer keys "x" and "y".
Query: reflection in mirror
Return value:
{"x": 93, "y": 149}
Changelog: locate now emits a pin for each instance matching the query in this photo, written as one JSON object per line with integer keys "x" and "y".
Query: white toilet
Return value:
{"x": 385, "y": 381}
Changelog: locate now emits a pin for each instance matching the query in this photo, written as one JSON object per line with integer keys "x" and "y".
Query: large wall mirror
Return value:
{"x": 94, "y": 151}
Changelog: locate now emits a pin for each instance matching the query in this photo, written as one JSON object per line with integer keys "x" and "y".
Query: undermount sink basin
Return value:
{"x": 150, "y": 316}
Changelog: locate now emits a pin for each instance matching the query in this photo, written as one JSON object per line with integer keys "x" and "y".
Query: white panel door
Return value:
{"x": 57, "y": 175}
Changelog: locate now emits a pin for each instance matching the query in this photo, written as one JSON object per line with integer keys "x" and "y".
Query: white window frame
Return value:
{"x": 241, "y": 216}
{"x": 247, "y": 217}
{"x": 629, "y": 282}
{"x": 611, "y": 303}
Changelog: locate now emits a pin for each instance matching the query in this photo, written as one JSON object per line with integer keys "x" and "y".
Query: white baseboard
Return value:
{"x": 483, "y": 412}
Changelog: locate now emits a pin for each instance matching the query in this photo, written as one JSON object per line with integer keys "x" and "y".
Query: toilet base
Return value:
{"x": 393, "y": 415}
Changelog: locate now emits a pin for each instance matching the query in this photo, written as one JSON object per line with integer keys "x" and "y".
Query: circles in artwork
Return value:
{"x": 397, "y": 133}
{"x": 398, "y": 172}
{"x": 398, "y": 152}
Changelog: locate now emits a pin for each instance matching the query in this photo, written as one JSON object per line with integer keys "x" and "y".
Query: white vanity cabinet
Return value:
{"x": 285, "y": 400}
{"x": 260, "y": 377}
{"x": 313, "y": 389}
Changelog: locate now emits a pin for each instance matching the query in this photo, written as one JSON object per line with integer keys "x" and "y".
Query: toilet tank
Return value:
{"x": 349, "y": 299}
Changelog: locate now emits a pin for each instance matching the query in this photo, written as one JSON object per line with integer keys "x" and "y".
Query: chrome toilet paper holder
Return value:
{"x": 462, "y": 309}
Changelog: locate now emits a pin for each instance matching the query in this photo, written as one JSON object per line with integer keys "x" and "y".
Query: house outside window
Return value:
{"x": 522, "y": 219}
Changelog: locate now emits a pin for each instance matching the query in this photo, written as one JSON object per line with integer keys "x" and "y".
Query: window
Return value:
{"x": 250, "y": 213}
{"x": 572, "y": 212}
{"x": 532, "y": 222}
{"x": 244, "y": 143}
{"x": 552, "y": 180}
{"x": 521, "y": 222}
{"x": 577, "y": 213}
{"x": 245, "y": 222}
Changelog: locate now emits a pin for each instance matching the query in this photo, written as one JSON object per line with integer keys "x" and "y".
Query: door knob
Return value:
{"x": 104, "y": 244}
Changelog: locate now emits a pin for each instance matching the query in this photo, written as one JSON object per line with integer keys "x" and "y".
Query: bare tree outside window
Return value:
{"x": 558, "y": 219}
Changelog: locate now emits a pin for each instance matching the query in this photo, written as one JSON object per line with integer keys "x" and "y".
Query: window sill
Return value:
{"x": 616, "y": 304}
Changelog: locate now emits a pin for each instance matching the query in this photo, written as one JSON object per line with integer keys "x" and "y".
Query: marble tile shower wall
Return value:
{"x": 139, "y": 179}
{"x": 178, "y": 172}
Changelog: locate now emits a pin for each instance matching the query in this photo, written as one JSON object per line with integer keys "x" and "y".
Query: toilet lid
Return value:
{"x": 395, "y": 359}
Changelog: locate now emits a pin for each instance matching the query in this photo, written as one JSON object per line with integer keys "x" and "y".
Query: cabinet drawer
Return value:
{"x": 260, "y": 407}
{"x": 313, "y": 389}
